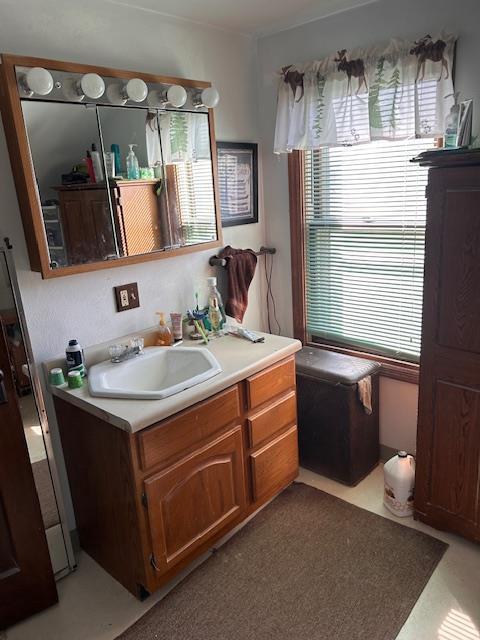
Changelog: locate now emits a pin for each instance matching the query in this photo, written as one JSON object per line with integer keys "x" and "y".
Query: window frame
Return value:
{"x": 391, "y": 368}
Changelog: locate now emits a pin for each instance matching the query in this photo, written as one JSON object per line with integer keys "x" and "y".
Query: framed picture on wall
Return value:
{"x": 238, "y": 182}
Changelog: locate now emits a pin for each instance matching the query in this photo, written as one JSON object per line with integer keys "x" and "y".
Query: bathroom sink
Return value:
{"x": 158, "y": 373}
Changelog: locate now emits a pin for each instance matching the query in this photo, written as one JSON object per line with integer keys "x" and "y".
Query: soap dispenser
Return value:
{"x": 133, "y": 168}
{"x": 164, "y": 338}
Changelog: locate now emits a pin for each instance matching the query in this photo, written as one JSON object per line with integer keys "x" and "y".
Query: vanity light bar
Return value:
{"x": 38, "y": 81}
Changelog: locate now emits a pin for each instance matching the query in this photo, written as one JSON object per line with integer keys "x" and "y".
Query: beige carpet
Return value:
{"x": 46, "y": 494}
{"x": 308, "y": 567}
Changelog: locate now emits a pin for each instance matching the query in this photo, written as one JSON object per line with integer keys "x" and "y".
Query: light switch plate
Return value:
{"x": 126, "y": 296}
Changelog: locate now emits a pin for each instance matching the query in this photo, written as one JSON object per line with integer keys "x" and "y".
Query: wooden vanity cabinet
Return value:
{"x": 148, "y": 503}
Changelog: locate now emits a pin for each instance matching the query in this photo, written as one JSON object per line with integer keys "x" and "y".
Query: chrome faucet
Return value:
{"x": 121, "y": 352}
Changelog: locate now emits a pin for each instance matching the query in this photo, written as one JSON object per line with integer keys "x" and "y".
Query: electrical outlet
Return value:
{"x": 126, "y": 296}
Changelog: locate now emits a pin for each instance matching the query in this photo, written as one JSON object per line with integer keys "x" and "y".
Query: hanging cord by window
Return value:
{"x": 268, "y": 279}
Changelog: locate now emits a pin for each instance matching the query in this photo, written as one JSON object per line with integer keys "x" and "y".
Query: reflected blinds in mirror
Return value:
{"x": 196, "y": 201}
{"x": 186, "y": 146}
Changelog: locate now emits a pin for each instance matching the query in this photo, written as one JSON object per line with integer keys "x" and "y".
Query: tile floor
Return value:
{"x": 93, "y": 606}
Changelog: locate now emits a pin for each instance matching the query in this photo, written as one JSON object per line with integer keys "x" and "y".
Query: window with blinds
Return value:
{"x": 365, "y": 212}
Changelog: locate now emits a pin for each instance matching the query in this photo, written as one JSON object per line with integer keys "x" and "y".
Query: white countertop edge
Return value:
{"x": 162, "y": 409}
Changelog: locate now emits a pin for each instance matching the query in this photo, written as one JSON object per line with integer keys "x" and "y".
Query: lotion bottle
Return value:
{"x": 164, "y": 337}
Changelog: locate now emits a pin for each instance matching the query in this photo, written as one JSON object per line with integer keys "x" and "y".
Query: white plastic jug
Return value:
{"x": 399, "y": 482}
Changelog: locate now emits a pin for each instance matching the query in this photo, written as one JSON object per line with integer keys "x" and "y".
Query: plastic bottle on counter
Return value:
{"x": 75, "y": 358}
{"x": 214, "y": 293}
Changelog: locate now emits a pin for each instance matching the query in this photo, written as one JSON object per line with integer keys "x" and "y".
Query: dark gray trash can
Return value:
{"x": 337, "y": 437}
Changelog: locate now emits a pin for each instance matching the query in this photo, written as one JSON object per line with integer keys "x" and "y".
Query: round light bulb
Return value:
{"x": 210, "y": 97}
{"x": 39, "y": 80}
{"x": 176, "y": 95}
{"x": 92, "y": 85}
{"x": 136, "y": 90}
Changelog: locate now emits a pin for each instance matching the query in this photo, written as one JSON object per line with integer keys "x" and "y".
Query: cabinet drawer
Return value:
{"x": 270, "y": 383}
{"x": 274, "y": 465}
{"x": 272, "y": 419}
{"x": 184, "y": 431}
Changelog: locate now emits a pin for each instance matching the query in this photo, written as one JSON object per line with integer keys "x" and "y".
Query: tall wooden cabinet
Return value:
{"x": 447, "y": 494}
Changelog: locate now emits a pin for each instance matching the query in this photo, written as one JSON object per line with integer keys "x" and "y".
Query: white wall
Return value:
{"x": 101, "y": 33}
{"x": 366, "y": 25}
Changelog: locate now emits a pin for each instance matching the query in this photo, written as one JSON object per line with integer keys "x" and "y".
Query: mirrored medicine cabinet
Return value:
{"x": 112, "y": 180}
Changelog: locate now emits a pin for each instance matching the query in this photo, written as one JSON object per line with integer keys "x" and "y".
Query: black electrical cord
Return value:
{"x": 268, "y": 278}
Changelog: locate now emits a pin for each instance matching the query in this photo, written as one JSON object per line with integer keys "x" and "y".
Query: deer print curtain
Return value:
{"x": 352, "y": 97}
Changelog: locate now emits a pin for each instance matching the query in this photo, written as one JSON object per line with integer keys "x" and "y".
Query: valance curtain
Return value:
{"x": 396, "y": 92}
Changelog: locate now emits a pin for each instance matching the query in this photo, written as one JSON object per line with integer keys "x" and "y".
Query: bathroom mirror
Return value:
{"x": 32, "y": 412}
{"x": 76, "y": 212}
{"x": 113, "y": 180}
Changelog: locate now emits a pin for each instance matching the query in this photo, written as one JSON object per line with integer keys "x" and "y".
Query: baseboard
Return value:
{"x": 387, "y": 452}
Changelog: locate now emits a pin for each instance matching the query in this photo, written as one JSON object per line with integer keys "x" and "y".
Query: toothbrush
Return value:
{"x": 196, "y": 317}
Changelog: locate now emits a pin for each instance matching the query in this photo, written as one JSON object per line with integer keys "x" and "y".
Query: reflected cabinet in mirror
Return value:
{"x": 120, "y": 178}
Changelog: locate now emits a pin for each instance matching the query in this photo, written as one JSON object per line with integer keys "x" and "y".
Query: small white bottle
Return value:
{"x": 399, "y": 477}
{"x": 97, "y": 164}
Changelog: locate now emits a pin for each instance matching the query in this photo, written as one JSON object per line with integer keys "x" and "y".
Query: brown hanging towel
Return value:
{"x": 240, "y": 266}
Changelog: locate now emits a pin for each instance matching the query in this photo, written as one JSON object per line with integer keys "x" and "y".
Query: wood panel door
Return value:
{"x": 138, "y": 208}
{"x": 27, "y": 584}
{"x": 87, "y": 224}
{"x": 193, "y": 500}
{"x": 448, "y": 440}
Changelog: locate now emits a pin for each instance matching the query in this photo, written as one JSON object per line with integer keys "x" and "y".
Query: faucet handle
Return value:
{"x": 137, "y": 343}
{"x": 116, "y": 351}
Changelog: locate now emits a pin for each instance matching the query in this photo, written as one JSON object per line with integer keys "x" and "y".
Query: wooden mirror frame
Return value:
{"x": 24, "y": 172}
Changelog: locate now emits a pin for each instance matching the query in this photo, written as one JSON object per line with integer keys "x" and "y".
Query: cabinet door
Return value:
{"x": 193, "y": 500}
{"x": 139, "y": 210}
{"x": 448, "y": 440}
{"x": 87, "y": 225}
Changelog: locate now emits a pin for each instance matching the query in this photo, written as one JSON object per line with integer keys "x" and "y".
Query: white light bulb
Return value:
{"x": 176, "y": 95}
{"x": 92, "y": 85}
{"x": 210, "y": 97}
{"x": 136, "y": 90}
{"x": 39, "y": 80}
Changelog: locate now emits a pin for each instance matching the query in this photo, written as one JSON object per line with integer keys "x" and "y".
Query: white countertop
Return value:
{"x": 237, "y": 357}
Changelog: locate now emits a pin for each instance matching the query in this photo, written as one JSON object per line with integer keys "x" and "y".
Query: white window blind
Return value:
{"x": 365, "y": 212}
